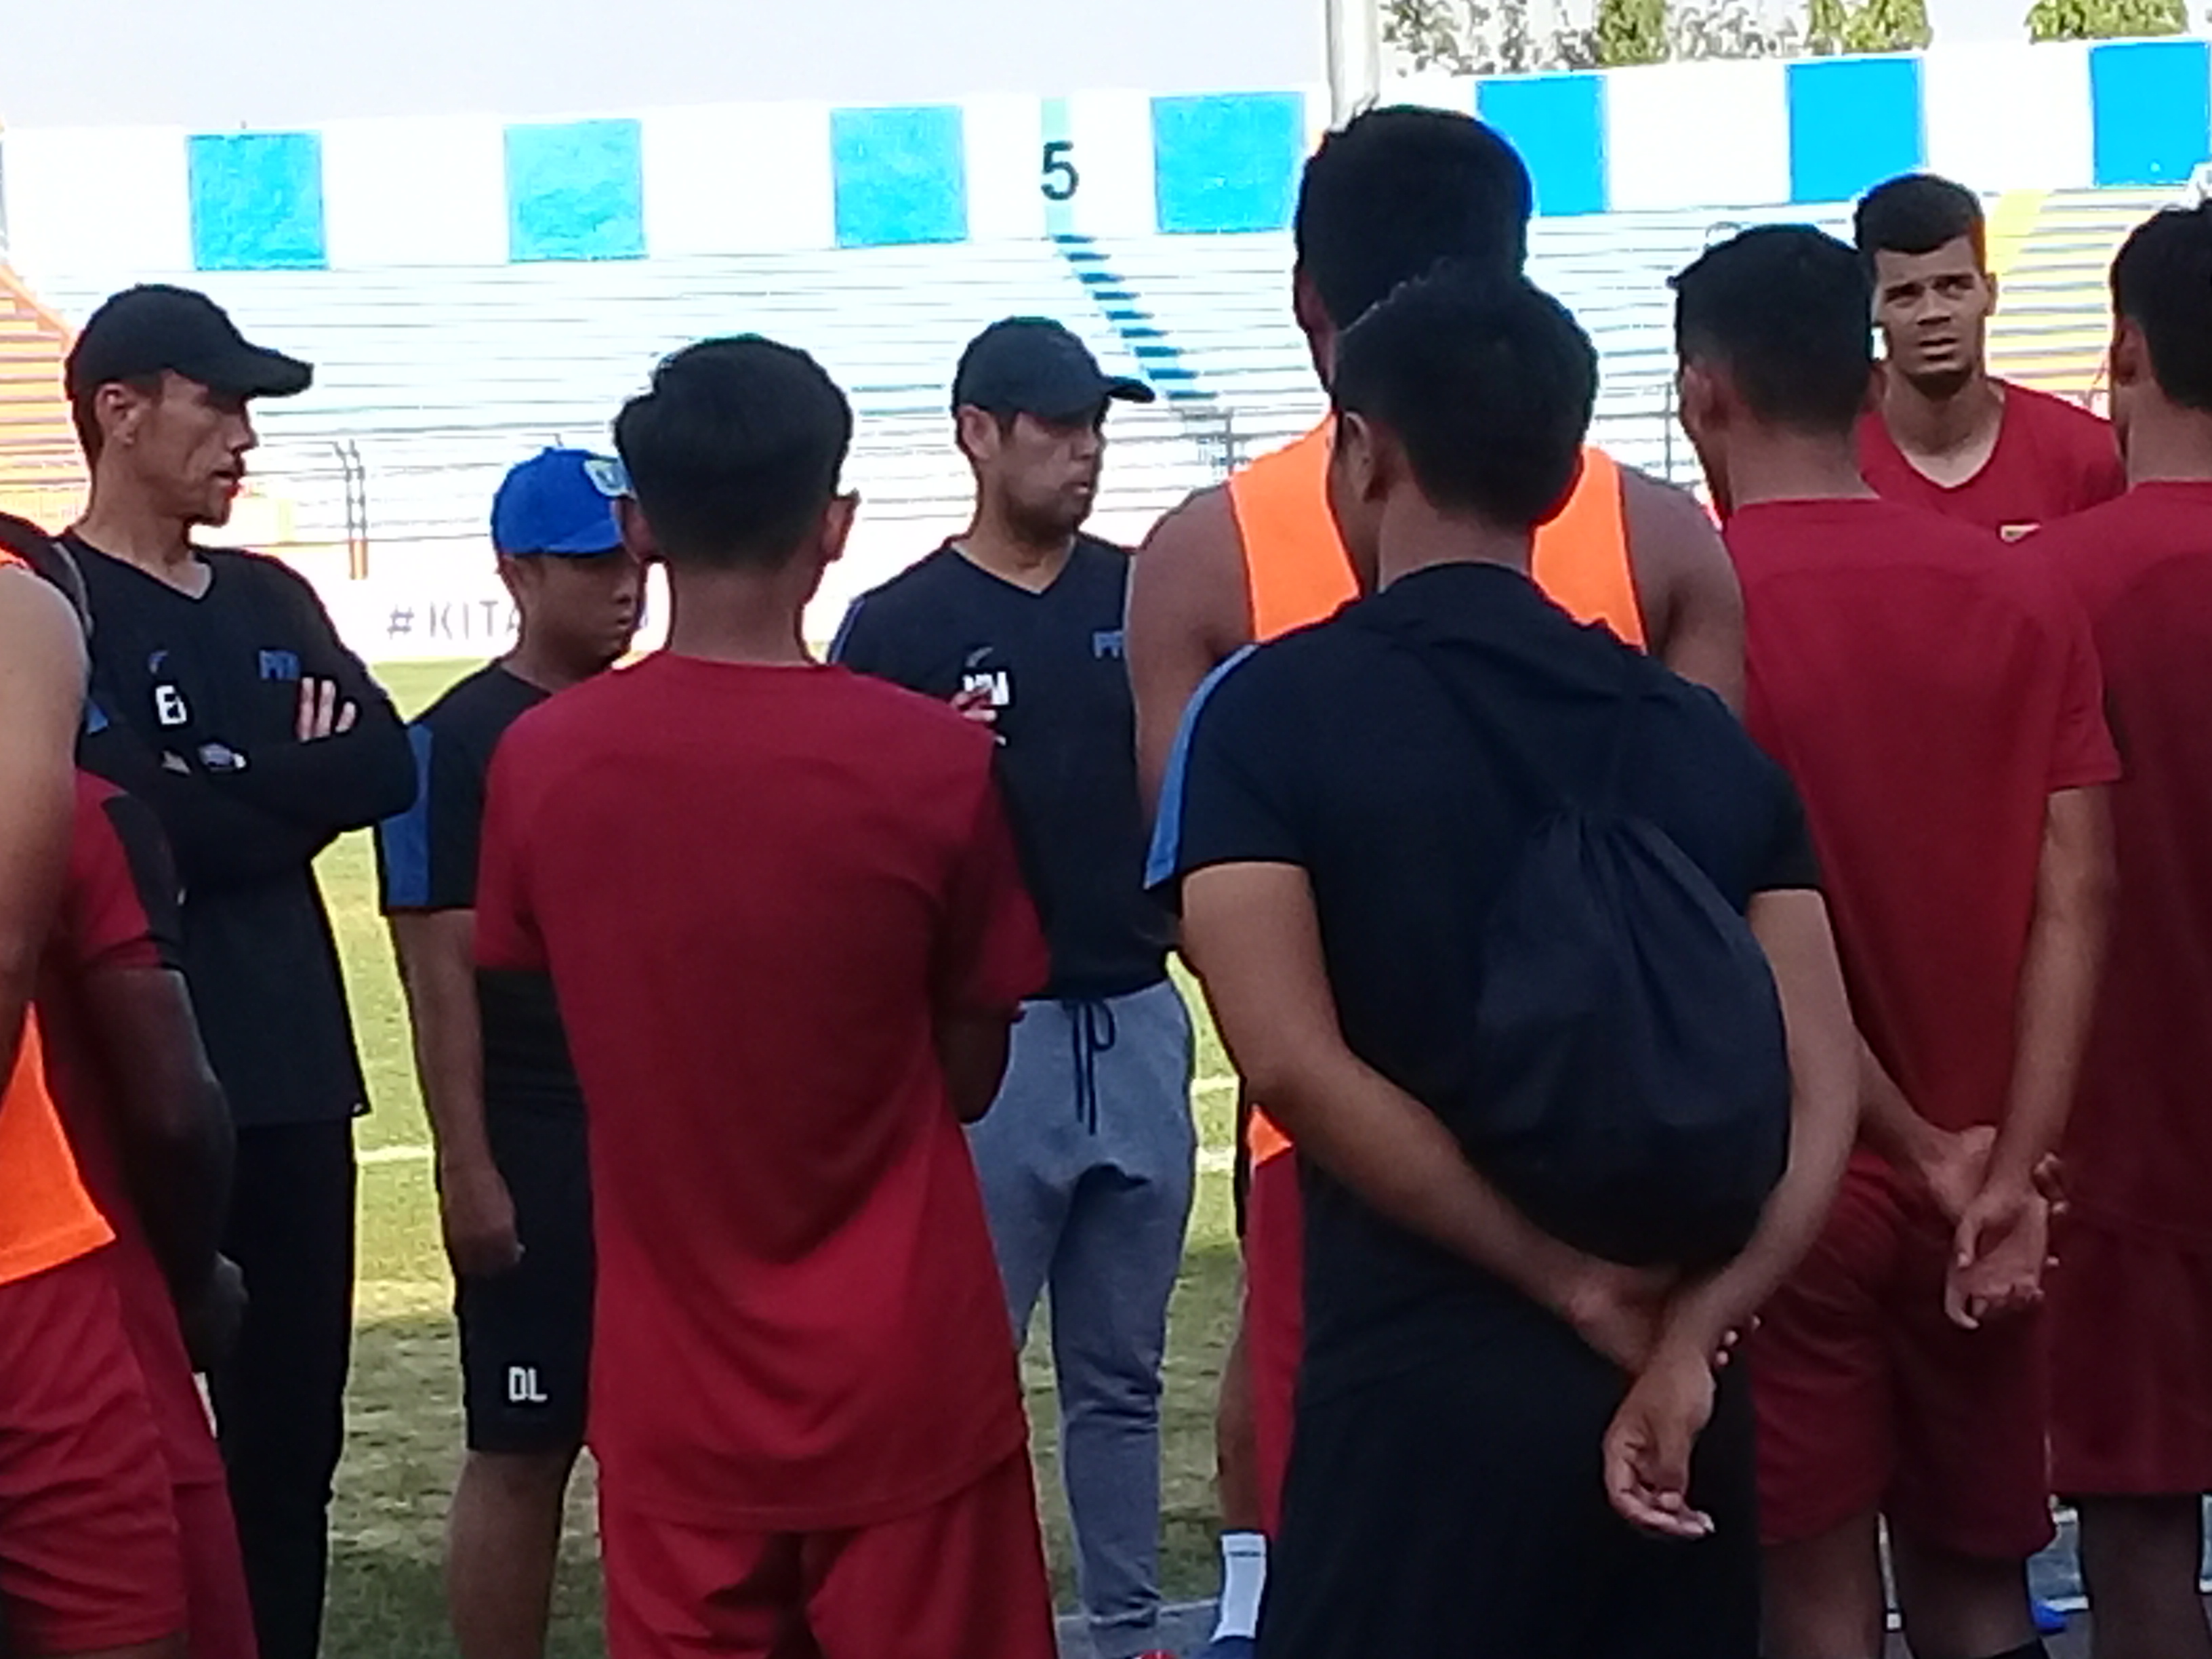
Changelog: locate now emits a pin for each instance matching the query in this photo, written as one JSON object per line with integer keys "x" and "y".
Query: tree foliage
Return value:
{"x": 1834, "y": 26}
{"x": 1630, "y": 32}
{"x": 1730, "y": 29}
{"x": 1494, "y": 37}
{"x": 2106, "y": 20}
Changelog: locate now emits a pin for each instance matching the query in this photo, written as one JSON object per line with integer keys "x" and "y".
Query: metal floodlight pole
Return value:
{"x": 1355, "y": 56}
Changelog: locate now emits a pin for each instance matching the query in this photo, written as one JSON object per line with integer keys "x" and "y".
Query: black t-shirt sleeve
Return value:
{"x": 427, "y": 856}
{"x": 861, "y": 639}
{"x": 1788, "y": 860}
{"x": 1228, "y": 797}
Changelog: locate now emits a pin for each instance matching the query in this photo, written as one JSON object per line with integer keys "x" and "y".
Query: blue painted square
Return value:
{"x": 1557, "y": 123}
{"x": 900, "y": 175}
{"x": 1227, "y": 161}
{"x": 2151, "y": 103}
{"x": 576, "y": 190}
{"x": 1853, "y": 123}
{"x": 256, "y": 201}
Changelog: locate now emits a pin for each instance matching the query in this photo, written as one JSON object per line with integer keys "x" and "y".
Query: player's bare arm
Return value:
{"x": 435, "y": 949}
{"x": 1647, "y": 1450}
{"x": 2057, "y": 996}
{"x": 176, "y": 1142}
{"x": 1253, "y": 934}
{"x": 1684, "y": 585}
{"x": 973, "y": 1048}
{"x": 42, "y": 673}
{"x": 1189, "y": 610}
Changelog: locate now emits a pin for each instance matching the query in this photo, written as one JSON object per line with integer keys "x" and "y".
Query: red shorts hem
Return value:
{"x": 2131, "y": 1364}
{"x": 964, "y": 1577}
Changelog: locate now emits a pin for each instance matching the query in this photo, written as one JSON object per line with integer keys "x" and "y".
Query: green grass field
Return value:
{"x": 404, "y": 1439}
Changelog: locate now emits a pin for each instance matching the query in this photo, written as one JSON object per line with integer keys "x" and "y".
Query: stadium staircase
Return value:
{"x": 41, "y": 474}
{"x": 2052, "y": 252}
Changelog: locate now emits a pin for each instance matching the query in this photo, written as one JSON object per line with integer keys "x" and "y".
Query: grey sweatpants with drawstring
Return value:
{"x": 1086, "y": 1160}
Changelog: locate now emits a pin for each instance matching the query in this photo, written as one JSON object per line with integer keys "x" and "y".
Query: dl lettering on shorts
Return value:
{"x": 522, "y": 1388}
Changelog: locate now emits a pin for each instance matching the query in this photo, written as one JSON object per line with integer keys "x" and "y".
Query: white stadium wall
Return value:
{"x": 472, "y": 284}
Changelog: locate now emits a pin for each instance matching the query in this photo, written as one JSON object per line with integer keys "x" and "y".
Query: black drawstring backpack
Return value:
{"x": 1631, "y": 1077}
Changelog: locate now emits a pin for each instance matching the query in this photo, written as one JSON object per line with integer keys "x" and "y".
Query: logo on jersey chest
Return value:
{"x": 171, "y": 709}
{"x": 984, "y": 674}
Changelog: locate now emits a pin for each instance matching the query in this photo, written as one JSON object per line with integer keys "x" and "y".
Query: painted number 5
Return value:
{"x": 1061, "y": 178}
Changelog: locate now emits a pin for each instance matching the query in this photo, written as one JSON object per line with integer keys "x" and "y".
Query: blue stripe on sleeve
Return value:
{"x": 845, "y": 630}
{"x": 1167, "y": 830}
{"x": 404, "y": 841}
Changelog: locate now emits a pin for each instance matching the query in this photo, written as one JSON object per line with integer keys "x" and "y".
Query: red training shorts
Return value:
{"x": 220, "y": 1613}
{"x": 962, "y": 1579}
{"x": 2131, "y": 1363}
{"x": 1870, "y": 1398}
{"x": 1274, "y": 1321}
{"x": 89, "y": 1556}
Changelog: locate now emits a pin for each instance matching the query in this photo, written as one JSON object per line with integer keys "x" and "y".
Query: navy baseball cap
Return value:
{"x": 559, "y": 502}
{"x": 1033, "y": 365}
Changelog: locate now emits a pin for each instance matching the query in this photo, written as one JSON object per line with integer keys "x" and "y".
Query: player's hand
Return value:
{"x": 1617, "y": 1310}
{"x": 322, "y": 714}
{"x": 1647, "y": 1447}
{"x": 1954, "y": 1167}
{"x": 976, "y": 704}
{"x": 477, "y": 1214}
{"x": 210, "y": 1318}
{"x": 2002, "y": 1248}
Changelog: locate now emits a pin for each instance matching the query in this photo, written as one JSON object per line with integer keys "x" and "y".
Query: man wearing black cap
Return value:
{"x": 223, "y": 699}
{"x": 1086, "y": 1158}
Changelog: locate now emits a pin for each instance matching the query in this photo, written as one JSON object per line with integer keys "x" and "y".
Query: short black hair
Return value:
{"x": 1487, "y": 381}
{"x": 1786, "y": 309}
{"x": 2162, "y": 283}
{"x": 735, "y": 451}
{"x": 1918, "y": 213}
{"x": 1394, "y": 191}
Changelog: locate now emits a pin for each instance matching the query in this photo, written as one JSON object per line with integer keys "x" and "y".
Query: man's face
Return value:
{"x": 188, "y": 444}
{"x": 1933, "y": 312}
{"x": 1044, "y": 471}
{"x": 586, "y": 609}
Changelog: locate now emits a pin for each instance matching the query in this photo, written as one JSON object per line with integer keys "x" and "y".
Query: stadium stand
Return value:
{"x": 430, "y": 380}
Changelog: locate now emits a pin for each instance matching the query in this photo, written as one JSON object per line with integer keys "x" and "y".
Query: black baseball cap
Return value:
{"x": 143, "y": 331}
{"x": 1033, "y": 365}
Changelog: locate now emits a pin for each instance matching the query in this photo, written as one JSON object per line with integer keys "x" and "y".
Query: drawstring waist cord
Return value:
{"x": 1091, "y": 1031}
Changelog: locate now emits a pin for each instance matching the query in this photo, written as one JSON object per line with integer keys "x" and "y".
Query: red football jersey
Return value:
{"x": 2053, "y": 458}
{"x": 1929, "y": 690}
{"x": 2139, "y": 1148}
{"x": 755, "y": 889}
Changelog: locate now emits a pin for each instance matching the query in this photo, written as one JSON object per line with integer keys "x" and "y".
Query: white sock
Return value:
{"x": 1243, "y": 1578}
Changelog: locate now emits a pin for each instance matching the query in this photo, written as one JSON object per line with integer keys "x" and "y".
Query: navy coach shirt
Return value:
{"x": 1052, "y": 663}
